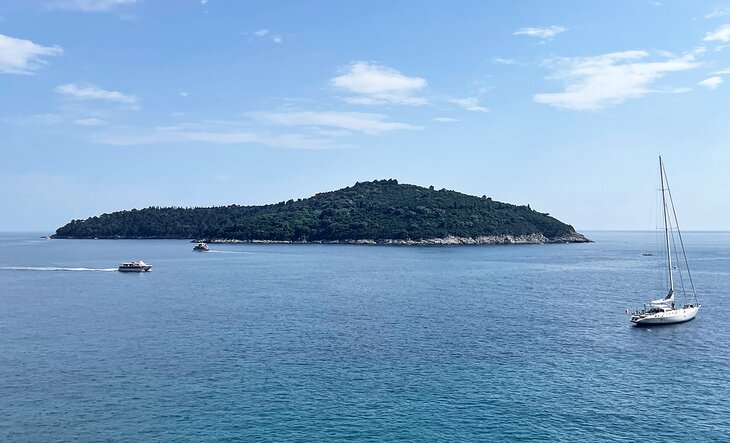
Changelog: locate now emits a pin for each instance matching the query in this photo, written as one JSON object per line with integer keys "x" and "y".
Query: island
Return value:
{"x": 373, "y": 212}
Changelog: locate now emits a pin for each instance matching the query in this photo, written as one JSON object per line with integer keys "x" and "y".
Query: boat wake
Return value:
{"x": 51, "y": 268}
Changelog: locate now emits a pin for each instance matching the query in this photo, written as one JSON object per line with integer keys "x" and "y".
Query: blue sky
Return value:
{"x": 114, "y": 104}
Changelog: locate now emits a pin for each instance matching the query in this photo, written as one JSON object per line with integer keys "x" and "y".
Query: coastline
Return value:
{"x": 451, "y": 240}
{"x": 530, "y": 239}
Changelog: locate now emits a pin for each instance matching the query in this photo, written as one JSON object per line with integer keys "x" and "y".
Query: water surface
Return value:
{"x": 346, "y": 342}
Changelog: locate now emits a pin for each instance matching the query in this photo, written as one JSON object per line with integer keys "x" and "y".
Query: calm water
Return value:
{"x": 336, "y": 342}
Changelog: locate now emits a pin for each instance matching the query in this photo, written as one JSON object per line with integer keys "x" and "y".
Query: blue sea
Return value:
{"x": 266, "y": 342}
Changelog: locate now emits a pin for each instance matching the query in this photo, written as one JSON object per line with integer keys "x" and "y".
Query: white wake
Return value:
{"x": 52, "y": 268}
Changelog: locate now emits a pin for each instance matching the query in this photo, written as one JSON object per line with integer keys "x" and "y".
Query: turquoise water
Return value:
{"x": 363, "y": 343}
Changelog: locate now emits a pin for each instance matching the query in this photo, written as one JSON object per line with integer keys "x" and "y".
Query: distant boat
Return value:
{"x": 647, "y": 254}
{"x": 200, "y": 247}
{"x": 664, "y": 310}
{"x": 134, "y": 266}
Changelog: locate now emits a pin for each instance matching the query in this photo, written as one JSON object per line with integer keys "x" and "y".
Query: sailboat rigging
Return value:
{"x": 665, "y": 310}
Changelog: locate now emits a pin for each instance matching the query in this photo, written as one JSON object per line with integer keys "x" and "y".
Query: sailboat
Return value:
{"x": 665, "y": 310}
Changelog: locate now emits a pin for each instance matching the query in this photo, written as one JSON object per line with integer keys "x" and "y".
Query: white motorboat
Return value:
{"x": 200, "y": 247}
{"x": 134, "y": 266}
{"x": 665, "y": 310}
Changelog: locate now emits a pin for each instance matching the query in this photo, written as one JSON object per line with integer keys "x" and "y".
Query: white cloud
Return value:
{"x": 381, "y": 99}
{"x": 89, "y": 122}
{"x": 92, "y": 92}
{"x": 183, "y": 93}
{"x": 597, "y": 82}
{"x": 142, "y": 136}
{"x": 321, "y": 130}
{"x": 445, "y": 119}
{"x": 469, "y": 103}
{"x": 367, "y": 123}
{"x": 377, "y": 84}
{"x": 91, "y": 5}
{"x": 261, "y": 33}
{"x": 19, "y": 56}
{"x": 711, "y": 83}
{"x": 203, "y": 2}
{"x": 721, "y": 34}
{"x": 367, "y": 78}
{"x": 718, "y": 13}
{"x": 541, "y": 33}
{"x": 481, "y": 90}
{"x": 722, "y": 71}
{"x": 334, "y": 132}
{"x": 503, "y": 61}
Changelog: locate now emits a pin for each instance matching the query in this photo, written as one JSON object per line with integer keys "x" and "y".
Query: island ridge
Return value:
{"x": 379, "y": 211}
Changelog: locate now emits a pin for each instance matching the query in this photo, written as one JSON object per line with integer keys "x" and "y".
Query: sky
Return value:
{"x": 108, "y": 105}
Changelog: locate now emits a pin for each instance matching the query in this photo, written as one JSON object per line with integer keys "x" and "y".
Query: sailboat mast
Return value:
{"x": 666, "y": 227}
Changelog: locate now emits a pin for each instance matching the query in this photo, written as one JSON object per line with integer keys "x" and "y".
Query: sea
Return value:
{"x": 325, "y": 343}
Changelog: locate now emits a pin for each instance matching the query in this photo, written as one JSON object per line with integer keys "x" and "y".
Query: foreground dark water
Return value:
{"x": 372, "y": 343}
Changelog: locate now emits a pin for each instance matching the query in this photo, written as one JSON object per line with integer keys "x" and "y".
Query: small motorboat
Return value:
{"x": 647, "y": 254}
{"x": 200, "y": 247}
{"x": 134, "y": 266}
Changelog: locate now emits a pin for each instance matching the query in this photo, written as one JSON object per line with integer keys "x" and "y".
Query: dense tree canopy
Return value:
{"x": 381, "y": 209}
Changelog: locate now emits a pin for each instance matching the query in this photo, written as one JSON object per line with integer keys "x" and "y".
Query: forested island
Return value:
{"x": 380, "y": 211}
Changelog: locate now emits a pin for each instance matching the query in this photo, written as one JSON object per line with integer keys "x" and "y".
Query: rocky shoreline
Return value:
{"x": 449, "y": 240}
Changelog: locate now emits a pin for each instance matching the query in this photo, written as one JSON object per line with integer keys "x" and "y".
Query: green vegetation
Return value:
{"x": 381, "y": 209}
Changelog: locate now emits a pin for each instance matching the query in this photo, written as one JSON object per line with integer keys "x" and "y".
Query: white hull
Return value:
{"x": 135, "y": 266}
{"x": 679, "y": 315}
{"x": 142, "y": 269}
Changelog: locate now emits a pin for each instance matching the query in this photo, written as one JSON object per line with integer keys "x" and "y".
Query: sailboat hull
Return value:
{"x": 669, "y": 317}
